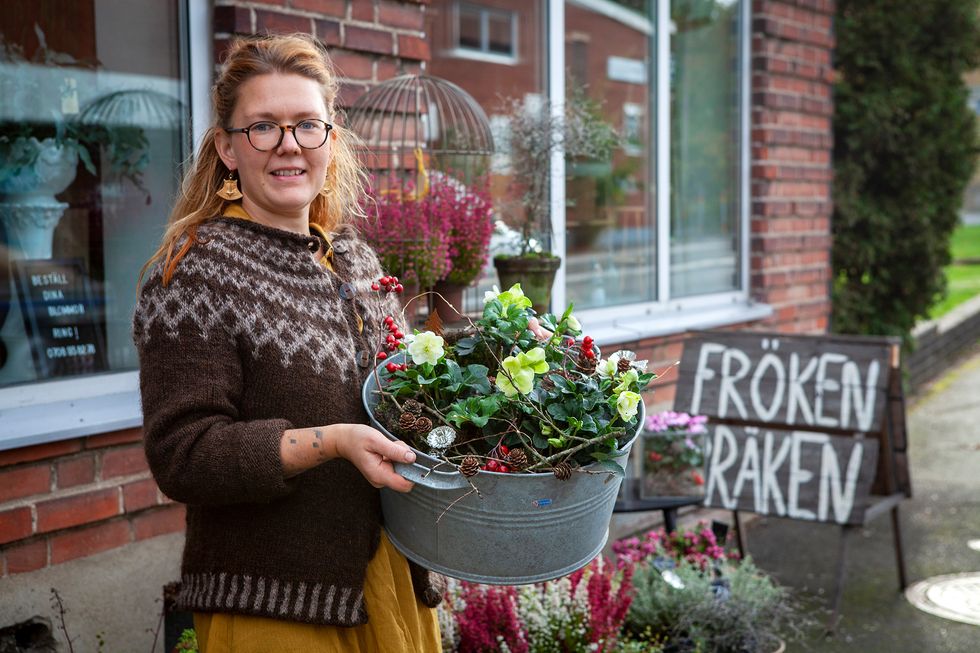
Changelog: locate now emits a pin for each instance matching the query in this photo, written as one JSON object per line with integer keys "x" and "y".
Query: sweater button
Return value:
{"x": 313, "y": 245}
{"x": 340, "y": 247}
{"x": 346, "y": 291}
{"x": 363, "y": 358}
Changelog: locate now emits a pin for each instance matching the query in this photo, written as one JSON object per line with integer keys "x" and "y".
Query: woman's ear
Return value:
{"x": 222, "y": 144}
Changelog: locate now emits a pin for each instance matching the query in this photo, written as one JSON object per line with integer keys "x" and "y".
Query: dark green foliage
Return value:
{"x": 905, "y": 145}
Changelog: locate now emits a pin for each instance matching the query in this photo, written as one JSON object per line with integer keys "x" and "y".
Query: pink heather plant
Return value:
{"x": 469, "y": 213}
{"x": 410, "y": 236}
{"x": 488, "y": 622}
{"x": 699, "y": 546}
{"x": 670, "y": 421}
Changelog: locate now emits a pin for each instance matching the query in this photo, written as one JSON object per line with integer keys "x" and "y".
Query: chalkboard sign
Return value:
{"x": 796, "y": 474}
{"x": 61, "y": 318}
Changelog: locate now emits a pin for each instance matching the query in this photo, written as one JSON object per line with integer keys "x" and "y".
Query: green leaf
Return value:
{"x": 610, "y": 466}
{"x": 557, "y": 411}
{"x": 465, "y": 346}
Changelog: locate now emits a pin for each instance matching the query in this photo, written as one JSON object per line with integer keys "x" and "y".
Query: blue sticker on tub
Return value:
{"x": 541, "y": 503}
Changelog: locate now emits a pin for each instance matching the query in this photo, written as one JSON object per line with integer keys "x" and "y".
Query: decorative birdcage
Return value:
{"x": 426, "y": 145}
{"x": 415, "y": 124}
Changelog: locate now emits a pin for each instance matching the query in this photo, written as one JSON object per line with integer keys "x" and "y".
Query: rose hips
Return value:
{"x": 587, "y": 341}
{"x": 392, "y": 367}
{"x": 381, "y": 355}
{"x": 503, "y": 469}
{"x": 504, "y": 450}
{"x": 493, "y": 465}
{"x": 399, "y": 288}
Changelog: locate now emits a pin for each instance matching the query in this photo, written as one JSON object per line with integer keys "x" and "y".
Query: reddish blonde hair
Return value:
{"x": 298, "y": 54}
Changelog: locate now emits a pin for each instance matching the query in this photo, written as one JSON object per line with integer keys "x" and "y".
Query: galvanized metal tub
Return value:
{"x": 526, "y": 528}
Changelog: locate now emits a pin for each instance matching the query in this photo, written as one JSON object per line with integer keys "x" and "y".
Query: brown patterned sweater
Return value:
{"x": 252, "y": 337}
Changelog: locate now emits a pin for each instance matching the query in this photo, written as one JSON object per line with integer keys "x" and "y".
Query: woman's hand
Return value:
{"x": 539, "y": 331}
{"x": 372, "y": 453}
{"x": 365, "y": 447}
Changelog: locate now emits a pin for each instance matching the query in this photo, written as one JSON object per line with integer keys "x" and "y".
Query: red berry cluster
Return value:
{"x": 389, "y": 283}
{"x": 587, "y": 351}
{"x": 392, "y": 342}
{"x": 496, "y": 465}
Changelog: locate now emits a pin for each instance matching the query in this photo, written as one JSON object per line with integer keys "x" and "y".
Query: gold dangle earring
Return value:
{"x": 327, "y": 190}
{"x": 229, "y": 190}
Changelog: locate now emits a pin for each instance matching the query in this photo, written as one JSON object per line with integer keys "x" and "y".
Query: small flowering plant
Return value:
{"x": 673, "y": 454}
{"x": 514, "y": 392}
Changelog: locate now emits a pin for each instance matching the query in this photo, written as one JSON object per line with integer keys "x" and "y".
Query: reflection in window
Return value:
{"x": 487, "y": 30}
{"x": 91, "y": 131}
{"x": 610, "y": 215}
{"x": 705, "y": 147}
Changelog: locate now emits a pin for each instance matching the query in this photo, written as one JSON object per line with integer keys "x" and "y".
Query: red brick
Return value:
{"x": 79, "y": 509}
{"x": 349, "y": 93}
{"x": 15, "y": 524}
{"x": 24, "y": 481}
{"x": 413, "y": 47}
{"x": 328, "y": 31}
{"x": 367, "y": 40}
{"x": 323, "y": 7}
{"x": 139, "y": 495}
{"x": 397, "y": 14}
{"x": 160, "y": 522}
{"x": 26, "y": 557}
{"x": 39, "y": 452}
{"x": 89, "y": 541}
{"x": 362, "y": 10}
{"x": 233, "y": 20}
{"x": 353, "y": 65}
{"x": 116, "y": 437}
{"x": 123, "y": 461}
{"x": 76, "y": 471}
{"x": 273, "y": 21}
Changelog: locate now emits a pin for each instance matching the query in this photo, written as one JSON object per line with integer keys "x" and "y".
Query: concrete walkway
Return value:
{"x": 938, "y": 524}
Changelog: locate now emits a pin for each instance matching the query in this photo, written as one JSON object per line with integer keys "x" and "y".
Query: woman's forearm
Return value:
{"x": 303, "y": 449}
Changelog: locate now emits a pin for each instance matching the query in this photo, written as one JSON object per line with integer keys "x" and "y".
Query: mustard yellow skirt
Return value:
{"x": 397, "y": 621}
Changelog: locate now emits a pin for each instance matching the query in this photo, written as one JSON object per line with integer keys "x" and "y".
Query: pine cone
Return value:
{"x": 623, "y": 365}
{"x": 562, "y": 471}
{"x": 422, "y": 425}
{"x": 406, "y": 422}
{"x": 412, "y": 406}
{"x": 517, "y": 458}
{"x": 469, "y": 466}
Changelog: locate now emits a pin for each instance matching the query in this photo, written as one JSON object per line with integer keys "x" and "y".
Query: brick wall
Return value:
{"x": 70, "y": 499}
{"x": 369, "y": 40}
{"x": 791, "y": 138}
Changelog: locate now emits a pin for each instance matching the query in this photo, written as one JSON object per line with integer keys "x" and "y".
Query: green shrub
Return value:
{"x": 905, "y": 145}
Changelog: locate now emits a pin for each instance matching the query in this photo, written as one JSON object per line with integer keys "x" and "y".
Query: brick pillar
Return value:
{"x": 792, "y": 43}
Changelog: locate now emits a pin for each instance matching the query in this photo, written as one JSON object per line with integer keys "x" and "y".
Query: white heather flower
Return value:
{"x": 427, "y": 347}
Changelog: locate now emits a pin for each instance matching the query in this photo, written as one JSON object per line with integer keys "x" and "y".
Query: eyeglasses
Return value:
{"x": 266, "y": 135}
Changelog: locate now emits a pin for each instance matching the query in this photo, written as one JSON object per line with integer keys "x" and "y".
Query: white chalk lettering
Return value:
{"x": 52, "y": 295}
{"x": 704, "y": 373}
{"x": 824, "y": 385}
{"x": 728, "y": 380}
{"x": 798, "y": 475}
{"x": 749, "y": 471}
{"x": 53, "y": 278}
{"x": 716, "y": 475}
{"x": 66, "y": 309}
{"x": 831, "y": 489}
{"x": 797, "y": 396}
{"x": 766, "y": 362}
{"x": 770, "y": 465}
{"x": 864, "y": 402}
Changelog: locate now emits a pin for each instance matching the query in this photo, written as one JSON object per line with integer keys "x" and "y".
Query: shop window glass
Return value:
{"x": 488, "y": 29}
{"x": 610, "y": 217}
{"x": 705, "y": 152}
{"x": 93, "y": 125}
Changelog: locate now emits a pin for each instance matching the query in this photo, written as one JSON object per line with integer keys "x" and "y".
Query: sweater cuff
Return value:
{"x": 260, "y": 459}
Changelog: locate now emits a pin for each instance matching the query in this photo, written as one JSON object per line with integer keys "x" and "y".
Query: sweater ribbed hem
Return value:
{"x": 263, "y": 596}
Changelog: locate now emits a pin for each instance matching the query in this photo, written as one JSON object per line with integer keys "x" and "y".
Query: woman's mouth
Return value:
{"x": 288, "y": 172}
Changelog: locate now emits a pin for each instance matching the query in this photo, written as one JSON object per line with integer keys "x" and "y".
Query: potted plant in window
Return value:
{"x": 537, "y": 130}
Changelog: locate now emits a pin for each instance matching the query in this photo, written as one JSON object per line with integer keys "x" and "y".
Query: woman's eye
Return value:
{"x": 263, "y": 127}
{"x": 308, "y": 125}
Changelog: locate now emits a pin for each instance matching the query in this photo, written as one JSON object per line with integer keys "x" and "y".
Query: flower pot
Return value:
{"x": 536, "y": 274}
{"x": 447, "y": 300}
{"x": 673, "y": 465}
{"x": 520, "y": 528}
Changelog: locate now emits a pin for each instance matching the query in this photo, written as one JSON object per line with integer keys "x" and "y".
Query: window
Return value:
{"x": 90, "y": 150}
{"x": 486, "y": 30}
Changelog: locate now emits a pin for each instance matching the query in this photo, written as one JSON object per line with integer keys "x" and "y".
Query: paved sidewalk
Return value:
{"x": 938, "y": 524}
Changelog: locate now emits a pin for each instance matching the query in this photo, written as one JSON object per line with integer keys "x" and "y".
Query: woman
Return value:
{"x": 256, "y": 327}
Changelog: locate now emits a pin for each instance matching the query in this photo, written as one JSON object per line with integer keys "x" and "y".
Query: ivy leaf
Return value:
{"x": 465, "y": 346}
{"x": 588, "y": 424}
{"x": 557, "y": 411}
{"x": 613, "y": 467}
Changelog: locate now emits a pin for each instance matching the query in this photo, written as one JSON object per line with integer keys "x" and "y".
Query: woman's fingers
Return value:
{"x": 373, "y": 454}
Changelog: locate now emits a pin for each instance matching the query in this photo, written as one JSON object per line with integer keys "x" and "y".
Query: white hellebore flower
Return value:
{"x": 426, "y": 348}
{"x": 573, "y": 323}
{"x": 490, "y": 294}
{"x": 627, "y": 404}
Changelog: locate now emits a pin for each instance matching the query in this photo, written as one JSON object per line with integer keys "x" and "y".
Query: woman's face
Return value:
{"x": 278, "y": 184}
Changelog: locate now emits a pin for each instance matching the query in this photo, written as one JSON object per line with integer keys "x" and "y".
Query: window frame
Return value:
{"x": 57, "y": 409}
{"x": 666, "y": 315}
{"x": 483, "y": 53}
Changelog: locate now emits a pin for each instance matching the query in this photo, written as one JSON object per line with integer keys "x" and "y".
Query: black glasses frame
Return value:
{"x": 282, "y": 133}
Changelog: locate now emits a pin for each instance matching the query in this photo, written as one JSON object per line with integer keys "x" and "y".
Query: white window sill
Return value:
{"x": 631, "y": 328}
{"x": 44, "y": 412}
{"x": 480, "y": 55}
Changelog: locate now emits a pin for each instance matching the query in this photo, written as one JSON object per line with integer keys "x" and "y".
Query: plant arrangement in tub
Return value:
{"x": 512, "y": 393}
